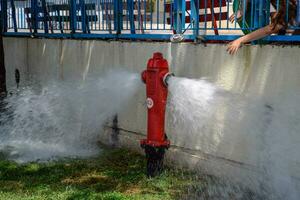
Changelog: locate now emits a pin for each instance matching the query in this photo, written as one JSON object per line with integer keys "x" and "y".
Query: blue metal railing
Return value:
{"x": 142, "y": 19}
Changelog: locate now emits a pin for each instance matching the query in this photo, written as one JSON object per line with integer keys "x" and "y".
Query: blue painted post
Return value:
{"x": 179, "y": 15}
{"x": 34, "y": 15}
{"x": 139, "y": 15}
{"x": 13, "y": 12}
{"x": 183, "y": 5}
{"x": 195, "y": 17}
{"x": 118, "y": 14}
{"x": 177, "y": 19}
{"x": 267, "y": 12}
{"x": 72, "y": 4}
{"x": 115, "y": 14}
{"x": 45, "y": 16}
{"x": 83, "y": 16}
{"x": 262, "y": 14}
{"x": 259, "y": 14}
{"x": 298, "y": 12}
{"x": 130, "y": 8}
{"x": 4, "y": 15}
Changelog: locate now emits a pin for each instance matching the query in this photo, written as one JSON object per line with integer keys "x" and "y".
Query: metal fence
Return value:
{"x": 145, "y": 19}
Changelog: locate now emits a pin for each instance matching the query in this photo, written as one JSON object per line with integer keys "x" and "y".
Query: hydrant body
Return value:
{"x": 156, "y": 89}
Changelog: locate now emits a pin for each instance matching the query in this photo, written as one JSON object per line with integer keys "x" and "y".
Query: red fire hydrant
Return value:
{"x": 155, "y": 77}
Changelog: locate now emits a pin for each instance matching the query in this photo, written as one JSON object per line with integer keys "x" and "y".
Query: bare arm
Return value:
{"x": 258, "y": 34}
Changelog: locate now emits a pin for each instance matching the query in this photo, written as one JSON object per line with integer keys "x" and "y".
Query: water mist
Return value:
{"x": 62, "y": 119}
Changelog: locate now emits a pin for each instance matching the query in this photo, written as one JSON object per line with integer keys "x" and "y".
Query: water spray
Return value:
{"x": 156, "y": 77}
{"x": 180, "y": 37}
{"x": 176, "y": 38}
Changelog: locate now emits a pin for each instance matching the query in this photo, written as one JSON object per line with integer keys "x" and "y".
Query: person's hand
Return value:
{"x": 234, "y": 46}
{"x": 234, "y": 16}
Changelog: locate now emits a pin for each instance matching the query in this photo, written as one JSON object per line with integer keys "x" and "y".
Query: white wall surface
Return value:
{"x": 268, "y": 72}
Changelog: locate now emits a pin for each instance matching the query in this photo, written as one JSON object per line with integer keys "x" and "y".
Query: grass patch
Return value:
{"x": 116, "y": 174}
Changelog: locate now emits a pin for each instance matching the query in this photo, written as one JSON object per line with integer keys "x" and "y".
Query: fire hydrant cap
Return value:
{"x": 157, "y": 55}
{"x": 157, "y": 61}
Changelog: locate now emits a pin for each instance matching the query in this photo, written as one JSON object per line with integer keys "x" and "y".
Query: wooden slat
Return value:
{"x": 216, "y": 4}
{"x": 202, "y": 17}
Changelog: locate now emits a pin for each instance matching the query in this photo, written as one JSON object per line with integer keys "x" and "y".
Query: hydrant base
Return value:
{"x": 164, "y": 144}
{"x": 155, "y": 158}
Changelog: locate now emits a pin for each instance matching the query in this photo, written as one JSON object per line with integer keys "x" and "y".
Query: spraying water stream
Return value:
{"x": 62, "y": 119}
{"x": 257, "y": 132}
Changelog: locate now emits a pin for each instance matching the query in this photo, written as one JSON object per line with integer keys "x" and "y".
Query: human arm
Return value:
{"x": 234, "y": 46}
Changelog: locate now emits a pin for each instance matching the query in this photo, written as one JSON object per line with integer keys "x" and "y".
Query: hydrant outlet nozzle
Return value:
{"x": 167, "y": 77}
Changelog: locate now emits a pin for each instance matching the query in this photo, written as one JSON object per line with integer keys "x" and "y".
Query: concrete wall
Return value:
{"x": 268, "y": 72}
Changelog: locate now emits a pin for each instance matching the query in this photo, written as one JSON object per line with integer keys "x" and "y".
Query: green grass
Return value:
{"x": 116, "y": 174}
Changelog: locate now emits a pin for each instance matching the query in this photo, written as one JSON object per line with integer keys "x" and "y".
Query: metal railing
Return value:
{"x": 144, "y": 19}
